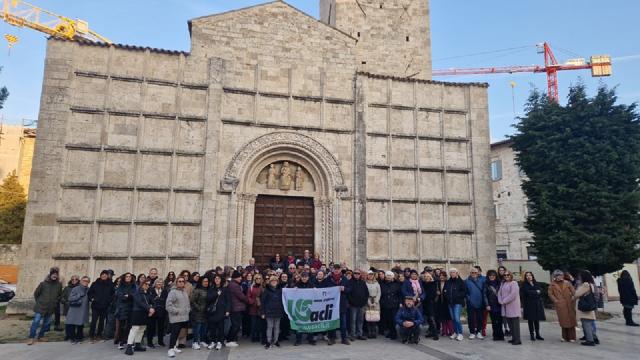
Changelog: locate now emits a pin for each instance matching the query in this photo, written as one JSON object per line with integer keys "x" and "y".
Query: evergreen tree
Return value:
{"x": 4, "y": 94}
{"x": 582, "y": 165}
{"x": 13, "y": 203}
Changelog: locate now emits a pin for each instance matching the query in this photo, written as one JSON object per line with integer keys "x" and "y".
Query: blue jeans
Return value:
{"x": 199, "y": 332}
{"x": 343, "y": 327}
{"x": 357, "y": 320}
{"x": 36, "y": 321}
{"x": 454, "y": 312}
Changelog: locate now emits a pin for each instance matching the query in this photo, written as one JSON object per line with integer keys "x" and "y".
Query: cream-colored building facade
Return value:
{"x": 277, "y": 132}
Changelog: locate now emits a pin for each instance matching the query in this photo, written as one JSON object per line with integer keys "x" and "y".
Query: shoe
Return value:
{"x": 312, "y": 342}
{"x": 331, "y": 342}
{"x": 472, "y": 336}
{"x": 588, "y": 343}
{"x": 538, "y": 337}
{"x": 479, "y": 336}
{"x": 346, "y": 342}
{"x": 460, "y": 337}
{"x": 171, "y": 353}
{"x": 533, "y": 338}
{"x": 507, "y": 333}
{"x": 572, "y": 341}
{"x": 404, "y": 341}
{"x": 43, "y": 339}
{"x": 231, "y": 344}
{"x": 584, "y": 338}
{"x": 435, "y": 337}
{"x": 277, "y": 344}
{"x": 361, "y": 338}
{"x": 632, "y": 324}
{"x": 161, "y": 344}
{"x": 596, "y": 340}
{"x": 129, "y": 350}
{"x": 416, "y": 340}
{"x": 351, "y": 338}
{"x": 195, "y": 346}
{"x": 211, "y": 346}
{"x": 516, "y": 343}
{"x": 203, "y": 344}
{"x": 31, "y": 341}
{"x": 267, "y": 346}
{"x": 120, "y": 347}
{"x": 297, "y": 343}
{"x": 139, "y": 347}
{"x": 178, "y": 351}
{"x": 151, "y": 346}
{"x": 453, "y": 336}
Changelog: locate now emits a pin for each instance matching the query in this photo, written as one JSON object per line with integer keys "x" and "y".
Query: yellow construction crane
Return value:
{"x": 22, "y": 14}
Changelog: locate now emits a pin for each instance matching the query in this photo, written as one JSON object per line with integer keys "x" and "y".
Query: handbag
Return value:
{"x": 587, "y": 302}
{"x": 211, "y": 309}
{"x": 372, "y": 315}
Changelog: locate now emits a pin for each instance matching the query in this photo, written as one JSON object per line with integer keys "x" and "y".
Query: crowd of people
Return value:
{"x": 222, "y": 305}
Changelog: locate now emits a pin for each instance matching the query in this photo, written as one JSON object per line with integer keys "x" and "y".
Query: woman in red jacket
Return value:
{"x": 257, "y": 323}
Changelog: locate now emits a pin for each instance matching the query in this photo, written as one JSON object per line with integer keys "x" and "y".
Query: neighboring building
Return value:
{"x": 16, "y": 152}
{"x": 510, "y": 205}
{"x": 276, "y": 133}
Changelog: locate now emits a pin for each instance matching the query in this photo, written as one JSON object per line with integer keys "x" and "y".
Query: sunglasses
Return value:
{"x": 180, "y": 281}
{"x": 509, "y": 275}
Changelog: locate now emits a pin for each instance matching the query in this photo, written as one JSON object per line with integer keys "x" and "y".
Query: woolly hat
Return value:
{"x": 54, "y": 270}
{"x": 236, "y": 274}
{"x": 390, "y": 273}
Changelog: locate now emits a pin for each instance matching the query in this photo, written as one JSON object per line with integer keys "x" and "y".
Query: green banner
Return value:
{"x": 312, "y": 310}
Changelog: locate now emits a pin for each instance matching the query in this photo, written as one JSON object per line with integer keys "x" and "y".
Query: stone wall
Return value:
{"x": 9, "y": 254}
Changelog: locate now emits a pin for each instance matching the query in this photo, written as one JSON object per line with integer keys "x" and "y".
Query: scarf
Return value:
{"x": 336, "y": 278}
{"x": 415, "y": 284}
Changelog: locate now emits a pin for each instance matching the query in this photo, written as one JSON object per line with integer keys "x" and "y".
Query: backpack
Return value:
{"x": 587, "y": 302}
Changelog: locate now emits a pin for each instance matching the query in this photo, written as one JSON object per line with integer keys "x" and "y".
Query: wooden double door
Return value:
{"x": 283, "y": 225}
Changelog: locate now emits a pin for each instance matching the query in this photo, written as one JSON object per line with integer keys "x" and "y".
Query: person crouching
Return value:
{"x": 409, "y": 319}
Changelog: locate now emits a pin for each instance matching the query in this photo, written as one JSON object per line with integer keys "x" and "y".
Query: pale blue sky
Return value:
{"x": 459, "y": 27}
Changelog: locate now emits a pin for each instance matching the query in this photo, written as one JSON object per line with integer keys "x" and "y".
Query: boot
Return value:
{"x": 538, "y": 337}
{"x": 533, "y": 338}
{"x": 139, "y": 347}
{"x": 129, "y": 350}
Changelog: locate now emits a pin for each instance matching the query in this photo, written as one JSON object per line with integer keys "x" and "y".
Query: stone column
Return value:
{"x": 248, "y": 210}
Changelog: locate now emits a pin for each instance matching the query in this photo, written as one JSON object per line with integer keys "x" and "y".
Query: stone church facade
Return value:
{"x": 277, "y": 132}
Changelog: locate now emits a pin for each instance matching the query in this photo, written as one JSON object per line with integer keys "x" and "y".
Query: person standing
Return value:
{"x": 409, "y": 319}
{"x": 100, "y": 294}
{"x": 158, "y": 299}
{"x": 533, "y": 309}
{"x": 124, "y": 296}
{"x": 47, "y": 296}
{"x": 475, "y": 303}
{"x": 78, "y": 314}
{"x": 199, "y": 313}
{"x": 254, "y": 293}
{"x": 491, "y": 288}
{"x": 178, "y": 307}
{"x": 372, "y": 314}
{"x": 509, "y": 298}
{"x": 304, "y": 283}
{"x": 444, "y": 325}
{"x": 586, "y": 308}
{"x": 64, "y": 299}
{"x": 455, "y": 291}
{"x": 389, "y": 303}
{"x": 337, "y": 279}
{"x": 152, "y": 277}
{"x": 358, "y": 299}
{"x": 272, "y": 311}
{"x": 239, "y": 303}
{"x": 561, "y": 293}
{"x": 141, "y": 311}
{"x": 218, "y": 309}
{"x": 628, "y": 297}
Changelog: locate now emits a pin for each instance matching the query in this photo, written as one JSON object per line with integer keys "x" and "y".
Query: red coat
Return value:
{"x": 253, "y": 294}
{"x": 316, "y": 264}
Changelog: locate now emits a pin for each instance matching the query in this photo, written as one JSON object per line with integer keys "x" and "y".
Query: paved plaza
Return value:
{"x": 617, "y": 342}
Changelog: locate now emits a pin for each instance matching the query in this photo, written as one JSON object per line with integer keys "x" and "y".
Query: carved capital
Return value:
{"x": 229, "y": 183}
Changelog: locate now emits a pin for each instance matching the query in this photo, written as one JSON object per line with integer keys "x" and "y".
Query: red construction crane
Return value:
{"x": 600, "y": 65}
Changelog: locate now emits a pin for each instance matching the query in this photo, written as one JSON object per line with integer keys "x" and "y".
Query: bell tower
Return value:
{"x": 394, "y": 36}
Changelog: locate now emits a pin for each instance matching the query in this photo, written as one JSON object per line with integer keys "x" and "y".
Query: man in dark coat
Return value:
{"x": 239, "y": 303}
{"x": 389, "y": 303}
{"x": 100, "y": 294}
{"x": 628, "y": 296}
{"x": 304, "y": 283}
{"x": 336, "y": 278}
{"x": 47, "y": 296}
{"x": 409, "y": 319}
{"x": 358, "y": 298}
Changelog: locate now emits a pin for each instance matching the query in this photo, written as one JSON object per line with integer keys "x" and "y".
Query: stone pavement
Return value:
{"x": 617, "y": 342}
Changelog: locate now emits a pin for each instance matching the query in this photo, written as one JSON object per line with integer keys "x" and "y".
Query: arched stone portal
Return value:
{"x": 247, "y": 177}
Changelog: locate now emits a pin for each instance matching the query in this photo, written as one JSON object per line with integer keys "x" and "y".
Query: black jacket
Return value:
{"x": 344, "y": 295}
{"x": 272, "y": 302}
{"x": 140, "y": 308}
{"x": 430, "y": 291}
{"x": 627, "y": 291}
{"x": 532, "y": 307}
{"x": 359, "y": 293}
{"x": 222, "y": 300}
{"x": 159, "y": 302}
{"x": 455, "y": 291}
{"x": 101, "y": 294}
{"x": 390, "y": 295}
{"x": 124, "y": 298}
{"x": 490, "y": 292}
{"x": 308, "y": 285}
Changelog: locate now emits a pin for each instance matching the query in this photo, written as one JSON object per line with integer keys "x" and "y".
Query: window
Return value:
{"x": 502, "y": 254}
{"x": 532, "y": 252}
{"x": 496, "y": 170}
